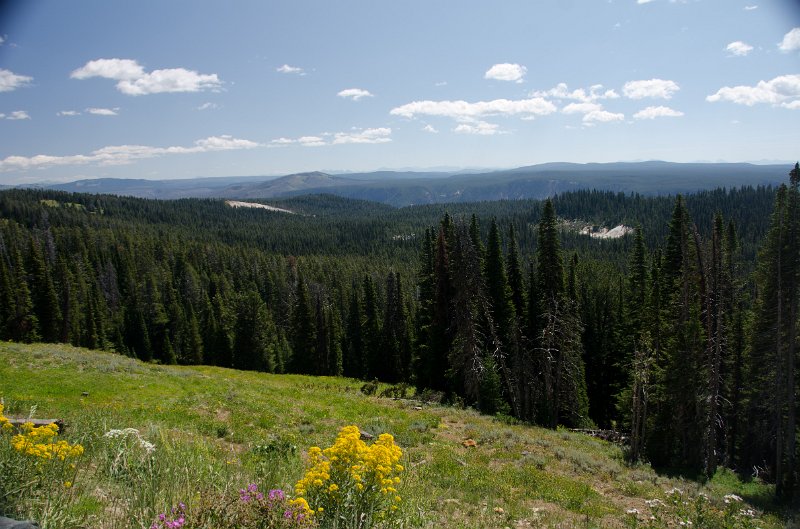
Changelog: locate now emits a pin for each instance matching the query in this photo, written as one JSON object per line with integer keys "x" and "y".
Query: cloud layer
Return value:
{"x": 464, "y": 111}
{"x": 368, "y": 136}
{"x": 651, "y": 88}
{"x": 133, "y": 80}
{"x": 123, "y": 154}
{"x": 781, "y": 91}
{"x": 657, "y": 112}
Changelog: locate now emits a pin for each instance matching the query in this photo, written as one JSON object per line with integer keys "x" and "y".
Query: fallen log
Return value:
{"x": 17, "y": 423}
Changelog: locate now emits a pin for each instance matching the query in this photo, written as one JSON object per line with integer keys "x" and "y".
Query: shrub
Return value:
{"x": 350, "y": 484}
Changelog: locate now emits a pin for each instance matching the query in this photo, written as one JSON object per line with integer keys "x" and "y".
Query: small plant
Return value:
{"x": 350, "y": 484}
{"x": 370, "y": 388}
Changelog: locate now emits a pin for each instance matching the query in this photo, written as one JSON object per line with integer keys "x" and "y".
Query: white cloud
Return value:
{"x": 739, "y": 48}
{"x": 17, "y": 115}
{"x": 103, "y": 111}
{"x": 562, "y": 91}
{"x": 123, "y": 154}
{"x": 2, "y": 39}
{"x": 655, "y": 88}
{"x": 643, "y": 1}
{"x": 791, "y": 41}
{"x": 379, "y": 135}
{"x": 602, "y": 116}
{"x": 464, "y": 111}
{"x": 68, "y": 113}
{"x": 441, "y": 83}
{"x": 354, "y": 93}
{"x": 506, "y": 72}
{"x": 290, "y": 69}
{"x": 133, "y": 80}
{"x": 750, "y": 8}
{"x": 581, "y": 108}
{"x": 208, "y": 106}
{"x": 657, "y": 112}
{"x": 429, "y": 128}
{"x": 10, "y": 81}
{"x": 781, "y": 91}
{"x": 481, "y": 127}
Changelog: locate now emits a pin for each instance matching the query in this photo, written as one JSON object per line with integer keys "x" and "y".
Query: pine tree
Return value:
{"x": 303, "y": 333}
{"x": 374, "y": 356}
{"x": 45, "y": 301}
{"x": 353, "y": 360}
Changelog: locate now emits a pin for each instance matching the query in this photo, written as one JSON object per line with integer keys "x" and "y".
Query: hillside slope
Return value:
{"x": 217, "y": 429}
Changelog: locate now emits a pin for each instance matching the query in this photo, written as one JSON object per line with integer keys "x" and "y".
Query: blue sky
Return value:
{"x": 180, "y": 89}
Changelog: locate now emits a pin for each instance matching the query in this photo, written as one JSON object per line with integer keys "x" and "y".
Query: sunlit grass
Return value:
{"x": 216, "y": 430}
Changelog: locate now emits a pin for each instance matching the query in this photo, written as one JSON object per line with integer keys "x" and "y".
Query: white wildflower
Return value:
{"x": 633, "y": 512}
{"x": 728, "y": 498}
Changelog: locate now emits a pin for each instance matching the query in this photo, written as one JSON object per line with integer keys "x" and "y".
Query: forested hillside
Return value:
{"x": 677, "y": 333}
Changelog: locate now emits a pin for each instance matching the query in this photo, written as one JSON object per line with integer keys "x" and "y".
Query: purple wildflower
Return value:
{"x": 287, "y": 514}
{"x": 276, "y": 494}
{"x": 252, "y": 487}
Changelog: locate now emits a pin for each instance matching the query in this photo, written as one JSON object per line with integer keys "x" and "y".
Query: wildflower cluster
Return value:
{"x": 5, "y": 424}
{"x": 133, "y": 435}
{"x": 254, "y": 509}
{"x": 174, "y": 520}
{"x": 39, "y": 442}
{"x": 352, "y": 481}
{"x": 684, "y": 510}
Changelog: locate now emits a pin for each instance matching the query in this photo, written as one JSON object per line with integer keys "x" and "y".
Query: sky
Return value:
{"x": 182, "y": 89}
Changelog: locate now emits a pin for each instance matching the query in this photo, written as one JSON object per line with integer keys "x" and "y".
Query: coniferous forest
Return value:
{"x": 683, "y": 334}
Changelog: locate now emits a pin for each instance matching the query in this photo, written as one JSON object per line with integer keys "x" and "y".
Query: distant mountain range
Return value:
{"x": 409, "y": 187}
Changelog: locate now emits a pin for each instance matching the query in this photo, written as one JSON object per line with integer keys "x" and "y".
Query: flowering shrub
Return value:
{"x": 351, "y": 484}
{"x": 39, "y": 442}
{"x": 37, "y": 472}
{"x": 127, "y": 454}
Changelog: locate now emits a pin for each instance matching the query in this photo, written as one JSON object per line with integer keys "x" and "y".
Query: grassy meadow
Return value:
{"x": 214, "y": 431}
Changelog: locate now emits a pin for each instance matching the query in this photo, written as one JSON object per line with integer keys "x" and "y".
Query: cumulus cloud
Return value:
{"x": 16, "y": 115}
{"x": 133, "y": 80}
{"x": 465, "y": 112}
{"x": 10, "y": 81}
{"x": 2, "y": 39}
{"x": 657, "y": 112}
{"x": 602, "y": 116}
{"x": 581, "y": 108}
{"x": 102, "y": 111}
{"x": 481, "y": 128}
{"x": 123, "y": 154}
{"x": 379, "y": 135}
{"x": 654, "y": 88}
{"x": 290, "y": 69}
{"x": 376, "y": 135}
{"x": 593, "y": 93}
{"x": 355, "y": 94}
{"x": 429, "y": 128}
{"x": 68, "y": 113}
{"x": 791, "y": 41}
{"x": 506, "y": 72}
{"x": 781, "y": 91}
{"x": 739, "y": 48}
{"x": 643, "y": 1}
{"x": 750, "y": 8}
{"x": 208, "y": 106}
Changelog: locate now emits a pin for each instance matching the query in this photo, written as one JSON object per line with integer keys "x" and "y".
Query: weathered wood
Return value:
{"x": 611, "y": 436}
{"x": 36, "y": 422}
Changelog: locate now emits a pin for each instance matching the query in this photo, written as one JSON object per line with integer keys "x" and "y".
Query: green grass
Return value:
{"x": 216, "y": 430}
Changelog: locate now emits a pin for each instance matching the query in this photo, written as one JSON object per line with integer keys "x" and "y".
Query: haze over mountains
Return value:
{"x": 408, "y": 187}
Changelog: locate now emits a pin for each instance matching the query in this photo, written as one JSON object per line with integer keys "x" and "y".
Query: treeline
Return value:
{"x": 665, "y": 333}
